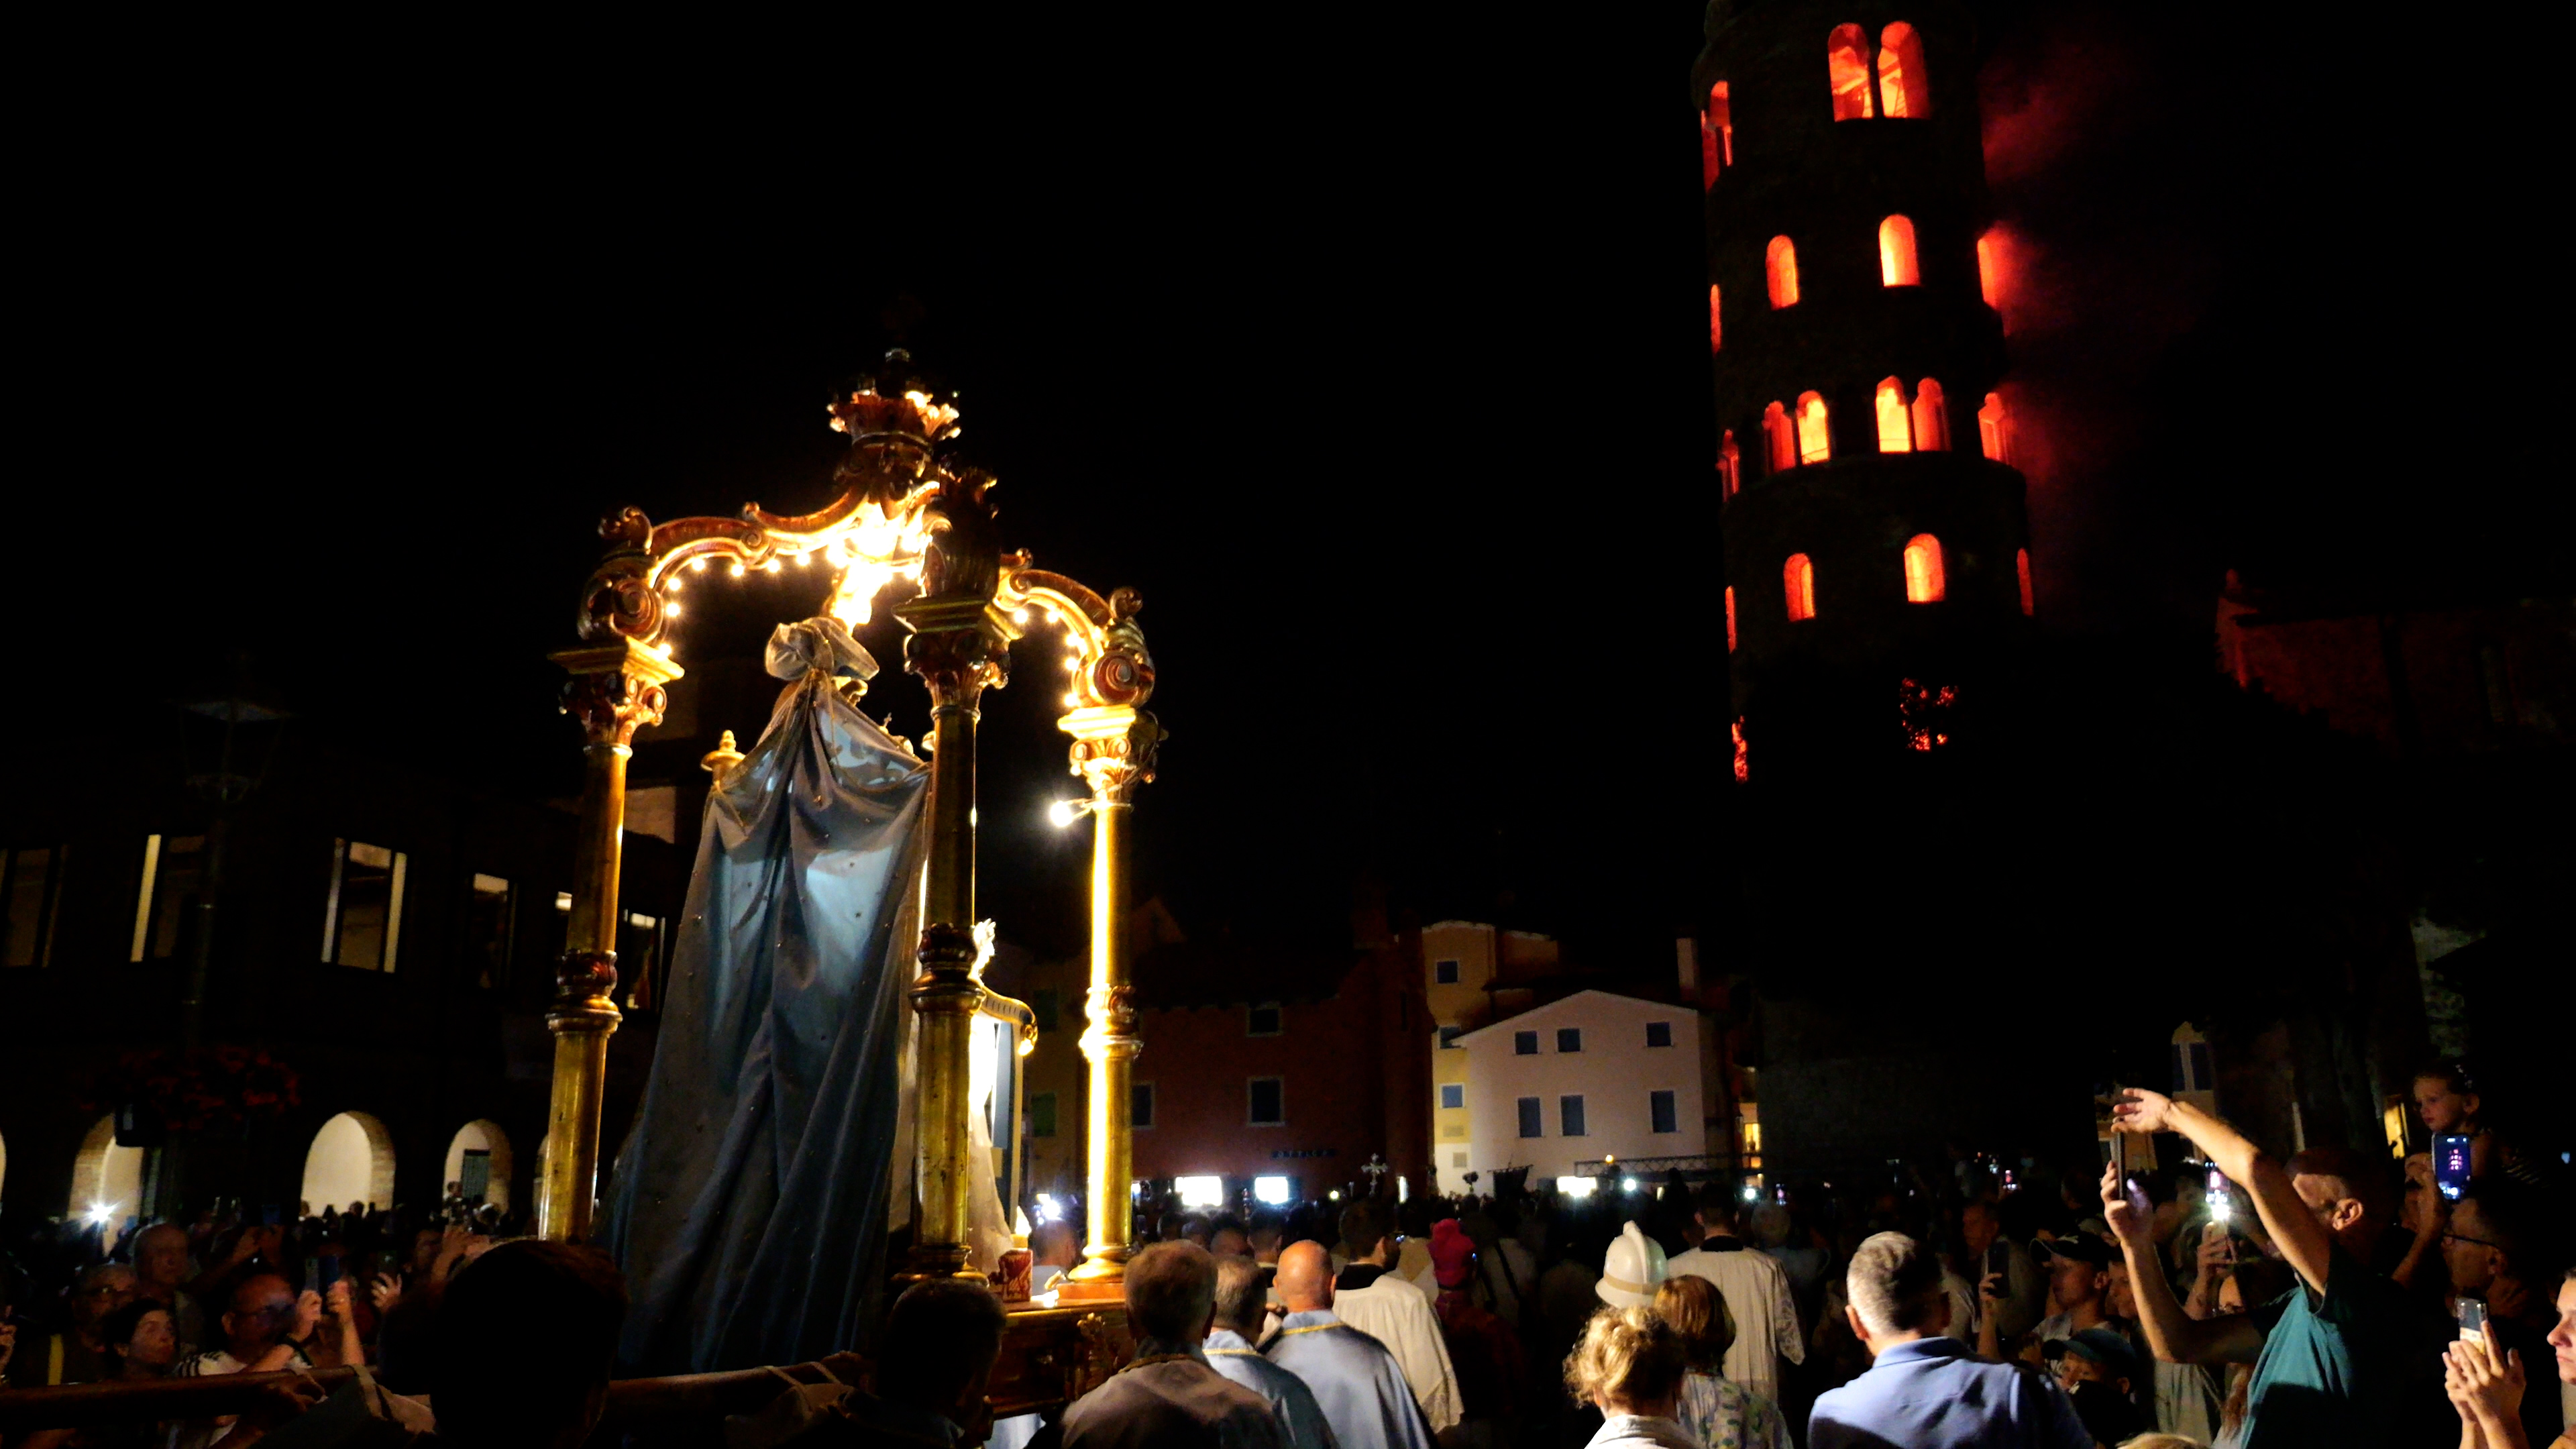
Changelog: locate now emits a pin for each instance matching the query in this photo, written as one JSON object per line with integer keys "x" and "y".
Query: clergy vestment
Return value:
{"x": 1299, "y": 1415}
{"x": 1169, "y": 1398}
{"x": 1395, "y": 1313}
{"x": 1756, "y": 1289}
{"x": 1354, "y": 1379}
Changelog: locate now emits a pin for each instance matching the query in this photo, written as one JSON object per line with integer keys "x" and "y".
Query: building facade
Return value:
{"x": 1591, "y": 1077}
{"x": 362, "y": 952}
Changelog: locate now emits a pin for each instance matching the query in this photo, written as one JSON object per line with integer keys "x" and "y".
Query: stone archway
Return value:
{"x": 351, "y": 1160}
{"x": 485, "y": 1137}
{"x": 106, "y": 1177}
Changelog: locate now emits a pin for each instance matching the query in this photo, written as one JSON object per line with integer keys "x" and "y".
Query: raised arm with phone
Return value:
{"x": 2329, "y": 1355}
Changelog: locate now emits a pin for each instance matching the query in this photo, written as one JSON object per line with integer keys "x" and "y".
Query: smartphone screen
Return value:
{"x": 2451, "y": 1164}
{"x": 2473, "y": 1320}
{"x": 2222, "y": 1207}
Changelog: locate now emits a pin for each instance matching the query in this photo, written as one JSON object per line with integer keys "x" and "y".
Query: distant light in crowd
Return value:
{"x": 1576, "y": 1186}
{"x": 1335, "y": 1195}
{"x": 1751, "y": 1192}
{"x": 1049, "y": 1210}
{"x": 1200, "y": 1191}
{"x": 1272, "y": 1190}
{"x": 100, "y": 1212}
{"x": 1627, "y": 1184}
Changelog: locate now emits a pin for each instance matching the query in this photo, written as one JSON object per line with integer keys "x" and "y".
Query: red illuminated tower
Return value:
{"x": 1877, "y": 551}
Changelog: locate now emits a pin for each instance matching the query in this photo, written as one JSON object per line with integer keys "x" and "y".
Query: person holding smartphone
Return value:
{"x": 2491, "y": 1387}
{"x": 2329, "y": 1356}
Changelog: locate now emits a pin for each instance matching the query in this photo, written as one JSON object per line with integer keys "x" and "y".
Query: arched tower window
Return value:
{"x": 1716, "y": 136}
{"x": 1730, "y": 618}
{"x": 1730, "y": 467}
{"x": 1780, "y": 269}
{"x": 1780, "y": 439}
{"x": 1896, "y": 254}
{"x": 1901, "y": 84}
{"x": 1994, "y": 430}
{"x": 1815, "y": 442}
{"x": 1847, "y": 57}
{"x": 1798, "y": 581}
{"x": 1931, "y": 418}
{"x": 1716, "y": 325}
{"x": 2021, "y": 568}
{"x": 1990, "y": 281}
{"x": 1923, "y": 581}
{"x": 1895, "y": 425}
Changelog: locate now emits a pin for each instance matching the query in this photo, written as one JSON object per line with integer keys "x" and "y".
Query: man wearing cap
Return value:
{"x": 1483, "y": 1348}
{"x": 2100, "y": 1372}
{"x": 2079, "y": 1283}
{"x": 1352, "y": 1376}
{"x": 1756, "y": 1290}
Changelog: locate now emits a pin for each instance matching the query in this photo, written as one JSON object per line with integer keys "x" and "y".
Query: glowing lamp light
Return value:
{"x": 1334, "y": 1196}
{"x": 1049, "y": 1210}
{"x": 1627, "y": 1184}
{"x": 736, "y": 570}
{"x": 1019, "y": 616}
{"x": 1064, "y": 812}
{"x": 100, "y": 1213}
{"x": 697, "y": 565}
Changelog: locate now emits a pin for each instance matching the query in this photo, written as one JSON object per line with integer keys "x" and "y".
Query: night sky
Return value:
{"x": 1369, "y": 346}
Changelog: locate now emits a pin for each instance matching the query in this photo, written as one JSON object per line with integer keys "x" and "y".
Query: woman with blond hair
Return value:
{"x": 1719, "y": 1412}
{"x": 1629, "y": 1364}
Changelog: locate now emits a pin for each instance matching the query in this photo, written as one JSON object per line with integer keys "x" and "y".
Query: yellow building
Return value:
{"x": 1462, "y": 961}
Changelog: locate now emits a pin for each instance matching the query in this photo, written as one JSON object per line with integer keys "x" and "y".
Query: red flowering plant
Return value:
{"x": 211, "y": 1087}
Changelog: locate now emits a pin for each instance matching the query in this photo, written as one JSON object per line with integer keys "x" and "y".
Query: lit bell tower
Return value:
{"x": 1877, "y": 549}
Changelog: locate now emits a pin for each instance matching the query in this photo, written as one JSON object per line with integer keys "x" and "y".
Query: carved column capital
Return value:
{"x": 615, "y": 689}
{"x": 1114, "y": 749}
{"x": 959, "y": 647}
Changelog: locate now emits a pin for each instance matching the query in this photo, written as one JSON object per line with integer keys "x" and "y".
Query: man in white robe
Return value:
{"x": 1756, "y": 1289}
{"x": 1371, "y": 1296}
{"x": 1354, "y": 1379}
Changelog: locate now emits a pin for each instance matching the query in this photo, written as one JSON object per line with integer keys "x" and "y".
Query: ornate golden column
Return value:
{"x": 615, "y": 689}
{"x": 959, "y": 644}
{"x": 1113, "y": 750}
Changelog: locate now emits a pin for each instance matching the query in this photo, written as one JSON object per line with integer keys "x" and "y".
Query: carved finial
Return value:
{"x": 721, "y": 760}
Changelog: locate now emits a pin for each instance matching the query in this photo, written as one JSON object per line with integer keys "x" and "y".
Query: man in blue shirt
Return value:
{"x": 1925, "y": 1390}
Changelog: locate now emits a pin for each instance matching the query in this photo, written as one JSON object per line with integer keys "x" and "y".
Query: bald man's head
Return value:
{"x": 1305, "y": 1280}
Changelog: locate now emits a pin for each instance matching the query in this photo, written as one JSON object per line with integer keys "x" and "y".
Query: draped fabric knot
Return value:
{"x": 796, "y": 650}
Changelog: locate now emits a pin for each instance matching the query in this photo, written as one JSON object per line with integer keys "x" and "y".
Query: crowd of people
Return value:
{"x": 2248, "y": 1302}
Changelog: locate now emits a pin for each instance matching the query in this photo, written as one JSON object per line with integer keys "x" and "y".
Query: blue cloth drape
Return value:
{"x": 749, "y": 1204}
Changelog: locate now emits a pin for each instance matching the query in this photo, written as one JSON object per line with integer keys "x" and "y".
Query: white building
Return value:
{"x": 1590, "y": 1076}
